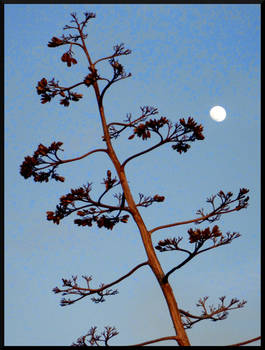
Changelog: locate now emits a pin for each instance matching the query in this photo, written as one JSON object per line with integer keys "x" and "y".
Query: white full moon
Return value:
{"x": 218, "y": 113}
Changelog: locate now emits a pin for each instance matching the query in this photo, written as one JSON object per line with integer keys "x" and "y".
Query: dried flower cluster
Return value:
{"x": 181, "y": 134}
{"x": 109, "y": 181}
{"x": 43, "y": 155}
{"x": 189, "y": 126}
{"x": 49, "y": 90}
{"x": 91, "y": 78}
{"x": 68, "y": 58}
{"x": 144, "y": 130}
{"x": 202, "y": 235}
{"x": 92, "y": 211}
{"x": 199, "y": 237}
{"x": 55, "y": 42}
{"x": 102, "y": 221}
{"x": 146, "y": 201}
{"x": 168, "y": 244}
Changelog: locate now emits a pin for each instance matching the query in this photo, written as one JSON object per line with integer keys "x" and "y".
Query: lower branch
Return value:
{"x": 211, "y": 313}
{"x": 246, "y": 342}
{"x": 155, "y": 340}
{"x": 74, "y": 288}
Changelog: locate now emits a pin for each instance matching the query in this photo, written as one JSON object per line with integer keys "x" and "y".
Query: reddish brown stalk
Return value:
{"x": 153, "y": 261}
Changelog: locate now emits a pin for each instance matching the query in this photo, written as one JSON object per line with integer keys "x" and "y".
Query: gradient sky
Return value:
{"x": 185, "y": 59}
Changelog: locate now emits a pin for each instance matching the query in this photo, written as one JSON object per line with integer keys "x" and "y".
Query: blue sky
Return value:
{"x": 185, "y": 59}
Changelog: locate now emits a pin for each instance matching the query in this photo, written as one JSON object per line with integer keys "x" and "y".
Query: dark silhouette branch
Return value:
{"x": 112, "y": 81}
{"x": 143, "y": 152}
{"x": 191, "y": 256}
{"x": 199, "y": 237}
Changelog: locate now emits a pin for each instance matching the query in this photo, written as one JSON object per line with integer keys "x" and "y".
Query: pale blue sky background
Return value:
{"x": 185, "y": 59}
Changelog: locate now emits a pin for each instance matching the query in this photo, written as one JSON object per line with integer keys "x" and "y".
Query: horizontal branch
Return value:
{"x": 118, "y": 280}
{"x": 73, "y": 159}
{"x": 246, "y": 341}
{"x": 190, "y": 221}
{"x": 83, "y": 292}
{"x": 85, "y": 155}
{"x": 70, "y": 87}
{"x": 156, "y": 340}
{"x": 72, "y": 43}
{"x": 128, "y": 124}
{"x": 106, "y": 58}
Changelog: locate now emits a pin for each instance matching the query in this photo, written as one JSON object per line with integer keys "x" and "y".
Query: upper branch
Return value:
{"x": 119, "y": 50}
{"x": 181, "y": 134}
{"x": 118, "y": 74}
{"x": 143, "y": 152}
{"x": 118, "y": 70}
{"x": 147, "y": 111}
{"x": 47, "y": 157}
{"x": 214, "y": 215}
{"x": 49, "y": 90}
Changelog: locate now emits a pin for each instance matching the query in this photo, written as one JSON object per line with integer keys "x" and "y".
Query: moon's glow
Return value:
{"x": 218, "y": 113}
